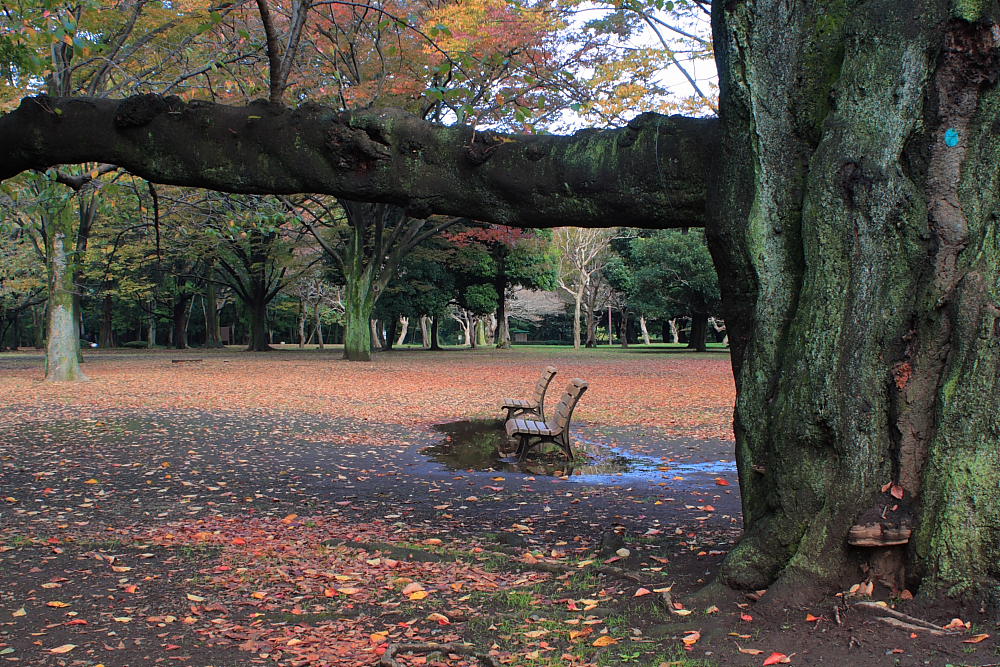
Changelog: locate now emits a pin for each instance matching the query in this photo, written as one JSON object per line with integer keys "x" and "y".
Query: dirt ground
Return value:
{"x": 291, "y": 508}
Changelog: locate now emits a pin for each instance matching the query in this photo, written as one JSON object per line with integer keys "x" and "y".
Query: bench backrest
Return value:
{"x": 564, "y": 411}
{"x": 542, "y": 386}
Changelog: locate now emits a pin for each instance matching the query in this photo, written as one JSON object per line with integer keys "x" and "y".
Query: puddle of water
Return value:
{"x": 482, "y": 446}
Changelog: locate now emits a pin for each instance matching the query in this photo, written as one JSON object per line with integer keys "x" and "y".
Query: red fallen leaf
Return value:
{"x": 171, "y": 647}
{"x": 896, "y": 491}
{"x": 776, "y": 659}
{"x": 131, "y": 588}
{"x": 76, "y": 621}
{"x": 746, "y": 617}
{"x": 238, "y": 541}
{"x": 812, "y": 619}
{"x": 721, "y": 481}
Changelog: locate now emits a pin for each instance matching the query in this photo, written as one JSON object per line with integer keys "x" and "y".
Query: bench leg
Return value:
{"x": 523, "y": 446}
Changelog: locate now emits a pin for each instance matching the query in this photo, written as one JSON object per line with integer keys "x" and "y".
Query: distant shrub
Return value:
{"x": 136, "y": 344}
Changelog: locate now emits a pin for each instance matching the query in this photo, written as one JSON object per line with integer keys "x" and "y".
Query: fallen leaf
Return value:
{"x": 641, "y": 591}
{"x": 65, "y": 648}
{"x": 975, "y": 639}
{"x": 777, "y": 658}
{"x": 195, "y": 598}
{"x": 691, "y": 638}
{"x": 749, "y": 651}
{"x": 605, "y": 640}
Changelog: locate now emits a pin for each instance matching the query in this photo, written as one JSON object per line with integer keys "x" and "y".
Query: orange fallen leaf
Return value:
{"x": 605, "y": 640}
{"x": 975, "y": 639}
{"x": 746, "y": 617}
{"x": 440, "y": 618}
{"x": 412, "y": 587}
{"x": 91, "y": 481}
{"x": 416, "y": 595}
{"x": 57, "y": 603}
{"x": 777, "y": 658}
{"x": 642, "y": 591}
{"x": 749, "y": 651}
{"x": 65, "y": 648}
{"x": 721, "y": 481}
{"x": 957, "y": 624}
{"x": 691, "y": 638}
{"x": 812, "y": 619}
{"x": 290, "y": 518}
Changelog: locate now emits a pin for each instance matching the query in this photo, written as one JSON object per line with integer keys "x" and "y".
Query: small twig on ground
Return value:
{"x": 912, "y": 627}
{"x": 391, "y": 650}
{"x": 900, "y": 620}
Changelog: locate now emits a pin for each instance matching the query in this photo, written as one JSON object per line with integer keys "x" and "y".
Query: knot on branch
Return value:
{"x": 355, "y": 146}
{"x": 139, "y": 110}
{"x": 482, "y": 147}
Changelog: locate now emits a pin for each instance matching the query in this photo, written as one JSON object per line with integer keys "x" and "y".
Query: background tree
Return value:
{"x": 582, "y": 253}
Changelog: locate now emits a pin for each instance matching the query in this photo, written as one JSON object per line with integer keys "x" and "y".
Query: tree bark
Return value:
{"x": 852, "y": 224}
{"x": 425, "y": 334}
{"x": 106, "y": 333}
{"x": 180, "y": 320}
{"x": 62, "y": 361}
{"x": 258, "y": 324}
{"x": 854, "y": 236}
{"x": 386, "y": 155}
{"x": 404, "y": 328}
{"x": 698, "y": 338}
{"x": 435, "y": 332}
{"x": 213, "y": 337}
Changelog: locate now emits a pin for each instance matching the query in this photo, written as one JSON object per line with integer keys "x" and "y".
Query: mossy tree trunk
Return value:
{"x": 62, "y": 349}
{"x": 855, "y": 233}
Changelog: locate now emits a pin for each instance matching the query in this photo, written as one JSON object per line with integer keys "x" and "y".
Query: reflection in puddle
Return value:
{"x": 482, "y": 445}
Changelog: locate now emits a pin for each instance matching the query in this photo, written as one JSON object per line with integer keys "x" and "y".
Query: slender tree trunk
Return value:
{"x": 577, "y": 307}
{"x": 151, "y": 326}
{"x": 318, "y": 326}
{"x": 106, "y": 333}
{"x": 503, "y": 326}
{"x": 404, "y": 328}
{"x": 644, "y": 330}
{"x": 378, "y": 334}
{"x": 389, "y": 338}
{"x": 623, "y": 328}
{"x": 62, "y": 362}
{"x": 302, "y": 324}
{"x": 481, "y": 338}
{"x": 674, "y": 331}
{"x": 855, "y": 238}
{"x": 425, "y": 332}
{"x": 435, "y": 332}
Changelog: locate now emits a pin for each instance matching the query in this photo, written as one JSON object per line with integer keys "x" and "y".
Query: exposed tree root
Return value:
{"x": 388, "y": 658}
{"x": 898, "y": 619}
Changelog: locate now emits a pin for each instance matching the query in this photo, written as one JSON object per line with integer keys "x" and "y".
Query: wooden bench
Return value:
{"x": 531, "y": 432}
{"x": 534, "y": 405}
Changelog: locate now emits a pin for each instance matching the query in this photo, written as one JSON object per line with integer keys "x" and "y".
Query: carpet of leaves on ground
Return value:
{"x": 277, "y": 509}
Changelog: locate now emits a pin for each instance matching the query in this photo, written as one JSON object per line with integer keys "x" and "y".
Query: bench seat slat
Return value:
{"x": 519, "y": 403}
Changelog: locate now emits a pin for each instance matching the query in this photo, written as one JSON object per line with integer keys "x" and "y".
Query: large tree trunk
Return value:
{"x": 62, "y": 361}
{"x": 180, "y": 320}
{"x": 258, "y": 325}
{"x": 698, "y": 338}
{"x": 436, "y": 333}
{"x": 856, "y": 243}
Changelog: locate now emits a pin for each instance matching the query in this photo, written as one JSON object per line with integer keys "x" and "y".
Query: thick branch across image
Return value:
{"x": 651, "y": 173}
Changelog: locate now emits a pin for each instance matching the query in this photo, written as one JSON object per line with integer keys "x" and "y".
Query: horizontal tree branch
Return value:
{"x": 652, "y": 173}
